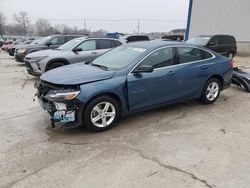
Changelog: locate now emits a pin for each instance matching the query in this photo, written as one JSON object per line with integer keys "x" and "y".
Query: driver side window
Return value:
{"x": 160, "y": 58}
{"x": 88, "y": 45}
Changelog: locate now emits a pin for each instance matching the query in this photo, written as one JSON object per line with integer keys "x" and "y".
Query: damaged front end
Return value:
{"x": 60, "y": 102}
{"x": 241, "y": 79}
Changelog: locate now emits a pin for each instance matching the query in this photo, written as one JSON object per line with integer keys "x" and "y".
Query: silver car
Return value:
{"x": 74, "y": 51}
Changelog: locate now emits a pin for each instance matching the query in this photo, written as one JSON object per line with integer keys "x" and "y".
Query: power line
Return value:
{"x": 107, "y": 20}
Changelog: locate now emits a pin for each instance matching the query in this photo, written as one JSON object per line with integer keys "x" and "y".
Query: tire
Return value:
{"x": 55, "y": 65}
{"x": 230, "y": 55}
{"x": 95, "y": 114}
{"x": 211, "y": 91}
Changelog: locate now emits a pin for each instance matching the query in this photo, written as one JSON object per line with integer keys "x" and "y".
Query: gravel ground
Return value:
{"x": 185, "y": 145}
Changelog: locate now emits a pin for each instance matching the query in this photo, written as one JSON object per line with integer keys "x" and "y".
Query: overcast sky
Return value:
{"x": 171, "y": 14}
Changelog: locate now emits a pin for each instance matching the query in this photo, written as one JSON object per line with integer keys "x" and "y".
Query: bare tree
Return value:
{"x": 43, "y": 27}
{"x": 2, "y": 24}
{"x": 22, "y": 22}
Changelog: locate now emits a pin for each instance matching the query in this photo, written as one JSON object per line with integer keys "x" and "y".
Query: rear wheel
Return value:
{"x": 55, "y": 65}
{"x": 211, "y": 91}
{"x": 101, "y": 113}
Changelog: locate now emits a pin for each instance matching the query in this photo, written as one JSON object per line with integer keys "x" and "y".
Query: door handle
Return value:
{"x": 171, "y": 73}
{"x": 94, "y": 53}
{"x": 204, "y": 67}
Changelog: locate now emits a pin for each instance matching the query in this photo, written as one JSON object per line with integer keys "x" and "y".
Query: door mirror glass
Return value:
{"x": 77, "y": 49}
{"x": 211, "y": 43}
{"x": 49, "y": 43}
{"x": 143, "y": 68}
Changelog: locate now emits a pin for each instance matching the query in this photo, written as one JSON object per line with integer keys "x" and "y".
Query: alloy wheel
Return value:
{"x": 103, "y": 114}
{"x": 212, "y": 91}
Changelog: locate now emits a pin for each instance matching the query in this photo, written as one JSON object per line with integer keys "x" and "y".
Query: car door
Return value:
{"x": 88, "y": 53}
{"x": 194, "y": 69}
{"x": 222, "y": 46}
{"x": 157, "y": 87}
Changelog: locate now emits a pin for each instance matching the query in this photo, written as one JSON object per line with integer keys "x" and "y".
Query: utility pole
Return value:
{"x": 85, "y": 26}
{"x": 138, "y": 25}
{"x": 1, "y": 29}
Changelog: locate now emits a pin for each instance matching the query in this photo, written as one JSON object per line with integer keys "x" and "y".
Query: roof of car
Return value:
{"x": 214, "y": 35}
{"x": 153, "y": 44}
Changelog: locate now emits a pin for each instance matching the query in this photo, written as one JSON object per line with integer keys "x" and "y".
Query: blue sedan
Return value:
{"x": 131, "y": 78}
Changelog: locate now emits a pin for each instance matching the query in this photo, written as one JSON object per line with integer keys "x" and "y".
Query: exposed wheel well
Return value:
{"x": 65, "y": 62}
{"x": 219, "y": 78}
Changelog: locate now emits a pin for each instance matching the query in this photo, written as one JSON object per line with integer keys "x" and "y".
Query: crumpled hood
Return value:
{"x": 48, "y": 52}
{"x": 75, "y": 74}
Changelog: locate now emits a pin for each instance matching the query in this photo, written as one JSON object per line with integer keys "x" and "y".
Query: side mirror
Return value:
{"x": 144, "y": 68}
{"x": 211, "y": 44}
{"x": 77, "y": 50}
{"x": 49, "y": 43}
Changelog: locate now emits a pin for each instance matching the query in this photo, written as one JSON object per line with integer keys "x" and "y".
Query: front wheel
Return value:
{"x": 211, "y": 91}
{"x": 101, "y": 113}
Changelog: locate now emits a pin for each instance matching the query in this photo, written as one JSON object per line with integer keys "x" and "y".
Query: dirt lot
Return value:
{"x": 186, "y": 145}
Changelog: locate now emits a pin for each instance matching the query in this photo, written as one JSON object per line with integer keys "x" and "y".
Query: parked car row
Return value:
{"x": 50, "y": 42}
{"x": 74, "y": 51}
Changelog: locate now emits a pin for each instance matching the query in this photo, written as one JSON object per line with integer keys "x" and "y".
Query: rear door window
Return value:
{"x": 190, "y": 54}
{"x": 58, "y": 40}
{"x": 68, "y": 38}
{"x": 221, "y": 40}
{"x": 104, "y": 44}
{"x": 230, "y": 40}
{"x": 115, "y": 43}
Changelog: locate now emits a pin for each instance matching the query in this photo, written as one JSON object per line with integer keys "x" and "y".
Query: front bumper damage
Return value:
{"x": 241, "y": 79}
{"x": 66, "y": 113}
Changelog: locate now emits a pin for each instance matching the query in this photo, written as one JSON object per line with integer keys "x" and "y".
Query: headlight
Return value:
{"x": 22, "y": 50}
{"x": 38, "y": 58}
{"x": 61, "y": 95}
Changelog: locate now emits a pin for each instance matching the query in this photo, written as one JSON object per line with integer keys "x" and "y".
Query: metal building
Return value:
{"x": 210, "y": 17}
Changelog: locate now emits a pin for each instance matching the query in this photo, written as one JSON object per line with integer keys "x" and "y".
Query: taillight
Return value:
{"x": 231, "y": 64}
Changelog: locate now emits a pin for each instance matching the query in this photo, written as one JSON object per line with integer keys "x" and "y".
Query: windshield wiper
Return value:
{"x": 101, "y": 66}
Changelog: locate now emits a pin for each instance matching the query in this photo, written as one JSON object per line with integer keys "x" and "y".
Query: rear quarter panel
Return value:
{"x": 222, "y": 68}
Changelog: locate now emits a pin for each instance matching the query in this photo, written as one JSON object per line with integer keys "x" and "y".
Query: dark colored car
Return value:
{"x": 131, "y": 78}
{"x": 134, "y": 38}
{"x": 50, "y": 42}
{"x": 222, "y": 44}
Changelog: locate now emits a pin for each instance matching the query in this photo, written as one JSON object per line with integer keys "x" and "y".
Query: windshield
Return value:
{"x": 119, "y": 57}
{"x": 201, "y": 41}
{"x": 44, "y": 40}
{"x": 71, "y": 44}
